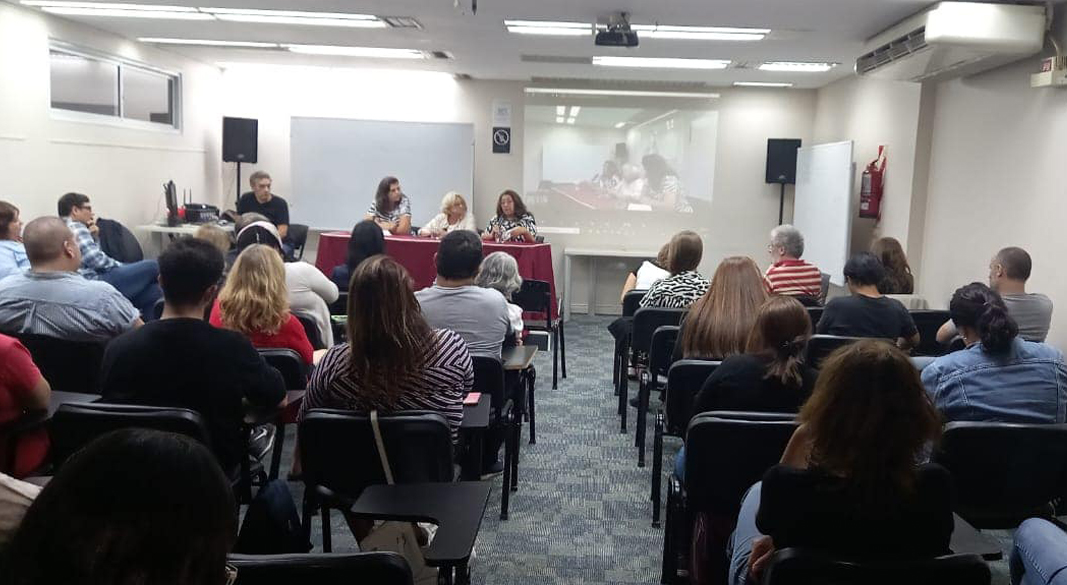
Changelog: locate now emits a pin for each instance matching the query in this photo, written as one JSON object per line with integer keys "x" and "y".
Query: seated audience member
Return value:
{"x": 52, "y": 299}
{"x": 365, "y": 241}
{"x": 1000, "y": 376}
{"x": 22, "y": 388}
{"x": 718, "y": 323}
{"x": 770, "y": 376}
{"x": 789, "y": 275}
{"x": 1039, "y": 554}
{"x": 663, "y": 188}
{"x": 310, "y": 292}
{"x": 15, "y": 498}
{"x": 867, "y": 312}
{"x": 251, "y": 237}
{"x": 137, "y": 281}
{"x": 393, "y": 359}
{"x": 216, "y": 236}
{"x": 685, "y": 285}
{"x": 500, "y": 272}
{"x": 391, "y": 208}
{"x": 649, "y": 273}
{"x": 898, "y": 278}
{"x": 512, "y": 223}
{"x": 182, "y": 361}
{"x": 255, "y": 302}
{"x": 260, "y": 200}
{"x": 454, "y": 216}
{"x": 848, "y": 483}
{"x": 1032, "y": 312}
{"x": 12, "y": 253}
{"x": 479, "y": 315}
{"x": 134, "y": 506}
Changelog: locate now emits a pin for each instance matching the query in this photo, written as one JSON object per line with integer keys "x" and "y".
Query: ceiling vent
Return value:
{"x": 401, "y": 22}
{"x": 443, "y": 55}
{"x": 557, "y": 60}
{"x": 954, "y": 39}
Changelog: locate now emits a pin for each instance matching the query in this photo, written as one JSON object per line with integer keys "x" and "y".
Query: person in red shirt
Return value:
{"x": 255, "y": 302}
{"x": 789, "y": 275}
{"x": 22, "y": 388}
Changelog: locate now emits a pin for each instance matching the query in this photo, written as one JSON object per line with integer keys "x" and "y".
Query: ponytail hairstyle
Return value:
{"x": 977, "y": 306}
{"x": 782, "y": 331}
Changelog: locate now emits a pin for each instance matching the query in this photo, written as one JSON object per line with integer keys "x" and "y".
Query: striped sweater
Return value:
{"x": 677, "y": 291}
{"x": 794, "y": 278}
{"x": 439, "y": 386}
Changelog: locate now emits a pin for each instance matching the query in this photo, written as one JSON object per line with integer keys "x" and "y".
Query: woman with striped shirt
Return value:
{"x": 393, "y": 360}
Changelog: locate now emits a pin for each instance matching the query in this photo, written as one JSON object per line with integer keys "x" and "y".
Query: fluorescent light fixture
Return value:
{"x": 369, "y": 52}
{"x": 618, "y": 92}
{"x": 796, "y": 66}
{"x": 561, "y": 110}
{"x": 575, "y": 110}
{"x": 761, "y": 84}
{"x": 126, "y": 13}
{"x": 208, "y": 43}
{"x": 560, "y": 119}
{"x": 619, "y": 125}
{"x": 660, "y": 62}
{"x": 549, "y": 28}
{"x": 109, "y": 6}
{"x": 700, "y": 33}
{"x": 570, "y": 121}
{"x": 297, "y": 17}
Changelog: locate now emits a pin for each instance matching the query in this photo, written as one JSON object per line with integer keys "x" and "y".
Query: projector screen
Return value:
{"x": 581, "y": 161}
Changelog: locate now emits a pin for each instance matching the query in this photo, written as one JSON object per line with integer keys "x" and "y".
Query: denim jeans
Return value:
{"x": 1039, "y": 554}
{"x": 138, "y": 282}
{"x": 679, "y": 464}
{"x": 739, "y": 549}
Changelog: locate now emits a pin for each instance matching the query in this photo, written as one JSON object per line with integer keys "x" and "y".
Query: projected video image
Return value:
{"x": 633, "y": 159}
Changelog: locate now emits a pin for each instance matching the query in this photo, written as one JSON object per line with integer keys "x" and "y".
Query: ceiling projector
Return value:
{"x": 617, "y": 33}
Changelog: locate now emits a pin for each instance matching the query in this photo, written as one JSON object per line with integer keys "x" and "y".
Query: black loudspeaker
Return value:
{"x": 782, "y": 160}
{"x": 240, "y": 140}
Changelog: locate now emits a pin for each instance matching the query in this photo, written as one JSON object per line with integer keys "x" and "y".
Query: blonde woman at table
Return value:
{"x": 454, "y": 216}
{"x": 512, "y": 222}
{"x": 391, "y": 209}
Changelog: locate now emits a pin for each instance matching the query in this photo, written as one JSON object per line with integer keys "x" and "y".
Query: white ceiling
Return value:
{"x": 803, "y": 30}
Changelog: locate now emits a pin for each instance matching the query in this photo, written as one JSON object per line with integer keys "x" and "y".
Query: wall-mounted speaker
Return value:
{"x": 240, "y": 140}
{"x": 782, "y": 160}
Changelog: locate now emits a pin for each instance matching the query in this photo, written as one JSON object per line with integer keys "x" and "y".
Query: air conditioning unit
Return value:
{"x": 954, "y": 39}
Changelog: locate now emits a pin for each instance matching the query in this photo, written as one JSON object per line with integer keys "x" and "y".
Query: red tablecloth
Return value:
{"x": 417, "y": 255}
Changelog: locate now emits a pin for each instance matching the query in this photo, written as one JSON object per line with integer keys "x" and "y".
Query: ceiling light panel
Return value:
{"x": 761, "y": 84}
{"x": 109, "y": 6}
{"x": 549, "y": 28}
{"x": 699, "y": 33}
{"x": 367, "y": 52}
{"x": 208, "y": 43}
{"x": 297, "y": 17}
{"x": 797, "y": 66}
{"x": 660, "y": 62}
{"x": 618, "y": 92}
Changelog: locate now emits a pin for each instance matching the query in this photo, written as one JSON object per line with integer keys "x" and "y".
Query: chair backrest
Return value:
{"x": 340, "y": 306}
{"x": 797, "y": 566}
{"x": 69, "y": 366}
{"x": 1004, "y": 472}
{"x": 824, "y": 286}
{"x": 489, "y": 379}
{"x": 631, "y": 300}
{"x": 289, "y": 364}
{"x": 534, "y": 296}
{"x": 298, "y": 234}
{"x": 661, "y": 349}
{"x": 727, "y": 452}
{"x": 338, "y": 451}
{"x": 380, "y": 568}
{"x": 647, "y": 320}
{"x": 928, "y": 322}
{"x": 821, "y": 346}
{"x": 312, "y": 331}
{"x": 814, "y": 313}
{"x": 75, "y": 425}
{"x": 684, "y": 379}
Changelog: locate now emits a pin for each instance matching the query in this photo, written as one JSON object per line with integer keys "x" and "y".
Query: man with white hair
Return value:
{"x": 789, "y": 275}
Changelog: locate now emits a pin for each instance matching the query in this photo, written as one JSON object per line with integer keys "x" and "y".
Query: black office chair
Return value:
{"x": 1004, "y": 473}
{"x": 418, "y": 444}
{"x": 312, "y": 331}
{"x": 824, "y": 286}
{"x": 646, "y": 321}
{"x": 684, "y": 379}
{"x": 379, "y": 568}
{"x": 10, "y": 433}
{"x": 798, "y": 566}
{"x": 653, "y": 378}
{"x": 298, "y": 235}
{"x": 535, "y": 296}
{"x": 928, "y": 322}
{"x": 815, "y": 313}
{"x": 725, "y": 453}
{"x": 630, "y": 302}
{"x": 69, "y": 366}
{"x": 821, "y": 346}
{"x": 340, "y": 306}
{"x": 289, "y": 364}
{"x": 490, "y": 379}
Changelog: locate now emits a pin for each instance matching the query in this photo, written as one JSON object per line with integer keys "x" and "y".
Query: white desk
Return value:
{"x": 592, "y": 254}
{"x": 156, "y": 231}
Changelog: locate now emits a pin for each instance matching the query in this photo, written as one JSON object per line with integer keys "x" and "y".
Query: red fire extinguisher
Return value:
{"x": 871, "y": 187}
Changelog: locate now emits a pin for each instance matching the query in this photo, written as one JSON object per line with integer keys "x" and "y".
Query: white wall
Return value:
{"x": 121, "y": 168}
{"x": 997, "y": 179}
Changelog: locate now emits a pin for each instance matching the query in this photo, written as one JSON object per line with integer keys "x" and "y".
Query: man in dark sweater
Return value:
{"x": 182, "y": 361}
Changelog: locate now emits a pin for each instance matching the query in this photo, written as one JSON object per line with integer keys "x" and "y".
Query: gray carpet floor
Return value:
{"x": 582, "y": 513}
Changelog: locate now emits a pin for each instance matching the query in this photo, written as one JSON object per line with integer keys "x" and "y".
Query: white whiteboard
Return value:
{"x": 822, "y": 210}
{"x": 336, "y": 165}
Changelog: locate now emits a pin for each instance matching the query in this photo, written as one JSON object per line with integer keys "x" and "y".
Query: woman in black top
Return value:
{"x": 769, "y": 376}
{"x": 866, "y": 312}
{"x": 848, "y": 483}
{"x": 366, "y": 240}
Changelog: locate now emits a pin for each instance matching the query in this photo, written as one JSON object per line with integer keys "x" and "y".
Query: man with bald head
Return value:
{"x": 52, "y": 299}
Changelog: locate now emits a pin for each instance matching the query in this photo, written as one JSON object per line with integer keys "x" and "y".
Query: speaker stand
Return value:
{"x": 781, "y": 198}
{"x": 239, "y": 187}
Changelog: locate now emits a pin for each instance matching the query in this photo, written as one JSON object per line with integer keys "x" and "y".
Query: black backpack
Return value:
{"x": 272, "y": 525}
